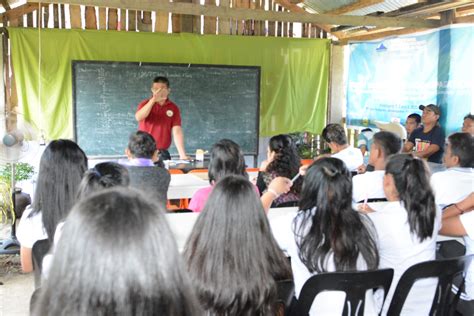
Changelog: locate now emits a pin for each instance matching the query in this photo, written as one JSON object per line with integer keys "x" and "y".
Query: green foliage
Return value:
{"x": 23, "y": 171}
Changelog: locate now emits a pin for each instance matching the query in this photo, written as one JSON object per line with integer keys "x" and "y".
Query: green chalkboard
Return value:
{"x": 216, "y": 102}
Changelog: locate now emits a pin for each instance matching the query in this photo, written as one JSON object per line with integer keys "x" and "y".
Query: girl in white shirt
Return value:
{"x": 327, "y": 235}
{"x": 407, "y": 227}
{"x": 61, "y": 168}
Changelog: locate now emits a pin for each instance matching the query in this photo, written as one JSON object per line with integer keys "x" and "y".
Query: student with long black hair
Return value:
{"x": 407, "y": 227}
{"x": 327, "y": 235}
{"x": 104, "y": 175}
{"x": 231, "y": 255}
{"x": 282, "y": 161}
{"x": 117, "y": 256}
{"x": 62, "y": 166}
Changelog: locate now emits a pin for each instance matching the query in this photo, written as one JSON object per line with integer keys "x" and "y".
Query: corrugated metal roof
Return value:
{"x": 322, "y": 6}
{"x": 385, "y": 6}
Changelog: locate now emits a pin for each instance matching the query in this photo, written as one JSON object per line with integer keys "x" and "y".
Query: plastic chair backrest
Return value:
{"x": 286, "y": 293}
{"x": 176, "y": 171}
{"x": 39, "y": 250}
{"x": 355, "y": 284}
{"x": 445, "y": 270}
{"x": 199, "y": 171}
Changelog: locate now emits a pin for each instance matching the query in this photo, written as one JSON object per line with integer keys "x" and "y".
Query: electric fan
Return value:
{"x": 17, "y": 143}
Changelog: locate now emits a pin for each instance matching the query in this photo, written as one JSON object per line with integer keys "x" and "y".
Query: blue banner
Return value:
{"x": 390, "y": 78}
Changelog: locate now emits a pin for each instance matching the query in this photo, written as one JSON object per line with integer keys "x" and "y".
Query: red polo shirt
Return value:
{"x": 160, "y": 121}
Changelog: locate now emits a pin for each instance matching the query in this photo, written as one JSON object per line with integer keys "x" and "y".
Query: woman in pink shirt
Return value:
{"x": 226, "y": 159}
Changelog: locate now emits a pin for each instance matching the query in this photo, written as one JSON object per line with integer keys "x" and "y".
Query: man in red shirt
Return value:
{"x": 160, "y": 117}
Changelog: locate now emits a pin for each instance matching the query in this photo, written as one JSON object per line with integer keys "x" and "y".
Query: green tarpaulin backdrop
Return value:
{"x": 294, "y": 80}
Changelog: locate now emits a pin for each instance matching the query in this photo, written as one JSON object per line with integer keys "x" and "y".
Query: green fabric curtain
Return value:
{"x": 294, "y": 72}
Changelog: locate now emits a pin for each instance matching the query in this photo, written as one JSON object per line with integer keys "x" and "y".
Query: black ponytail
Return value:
{"x": 411, "y": 177}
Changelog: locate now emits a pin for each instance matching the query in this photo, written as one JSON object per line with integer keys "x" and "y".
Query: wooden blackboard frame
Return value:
{"x": 253, "y": 153}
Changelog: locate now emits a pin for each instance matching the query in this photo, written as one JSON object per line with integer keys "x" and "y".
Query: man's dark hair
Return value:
{"x": 141, "y": 145}
{"x": 388, "y": 142}
{"x": 416, "y": 117}
{"x": 462, "y": 146}
{"x": 469, "y": 117}
{"x": 160, "y": 79}
{"x": 334, "y": 133}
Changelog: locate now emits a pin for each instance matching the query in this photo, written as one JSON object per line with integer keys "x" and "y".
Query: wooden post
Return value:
{"x": 272, "y": 24}
{"x": 132, "y": 20}
{"x": 210, "y": 23}
{"x": 75, "y": 16}
{"x": 145, "y": 22}
{"x": 62, "y": 14}
{"x": 91, "y": 19}
{"x": 29, "y": 19}
{"x": 56, "y": 16}
{"x": 102, "y": 18}
{"x": 113, "y": 19}
{"x": 224, "y": 23}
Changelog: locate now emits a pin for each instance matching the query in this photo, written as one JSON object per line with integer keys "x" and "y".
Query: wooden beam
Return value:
{"x": 375, "y": 36}
{"x": 19, "y": 11}
{"x": 465, "y": 19}
{"x": 354, "y": 6}
{"x": 5, "y": 4}
{"x": 244, "y": 14}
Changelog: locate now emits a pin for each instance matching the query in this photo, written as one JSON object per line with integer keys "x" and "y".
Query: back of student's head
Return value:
{"x": 226, "y": 159}
{"x": 62, "y": 166}
{"x": 416, "y": 117}
{"x": 388, "y": 142}
{"x": 117, "y": 256}
{"x": 462, "y": 146}
{"x": 104, "y": 175}
{"x": 141, "y": 145}
{"x": 231, "y": 255}
{"x": 325, "y": 206}
{"x": 334, "y": 133}
{"x": 286, "y": 161}
{"x": 411, "y": 179}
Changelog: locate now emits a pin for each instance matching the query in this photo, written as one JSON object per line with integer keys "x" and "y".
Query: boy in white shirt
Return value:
{"x": 335, "y": 136}
{"x": 369, "y": 185}
{"x": 458, "y": 220}
{"x": 457, "y": 181}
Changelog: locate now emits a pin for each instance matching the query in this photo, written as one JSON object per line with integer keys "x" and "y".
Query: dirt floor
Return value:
{"x": 15, "y": 287}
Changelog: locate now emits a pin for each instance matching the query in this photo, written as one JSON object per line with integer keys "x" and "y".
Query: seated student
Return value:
{"x": 61, "y": 168}
{"x": 334, "y": 135}
{"x": 458, "y": 220}
{"x": 407, "y": 228}
{"x": 117, "y": 256}
{"x": 231, "y": 255}
{"x": 103, "y": 176}
{"x": 226, "y": 159}
{"x": 326, "y": 219}
{"x": 370, "y": 184}
{"x": 468, "y": 124}
{"x": 282, "y": 161}
{"x": 145, "y": 175}
{"x": 428, "y": 140}
{"x": 457, "y": 181}
{"x": 412, "y": 122}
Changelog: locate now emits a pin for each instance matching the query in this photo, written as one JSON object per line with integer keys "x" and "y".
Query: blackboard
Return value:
{"x": 216, "y": 102}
